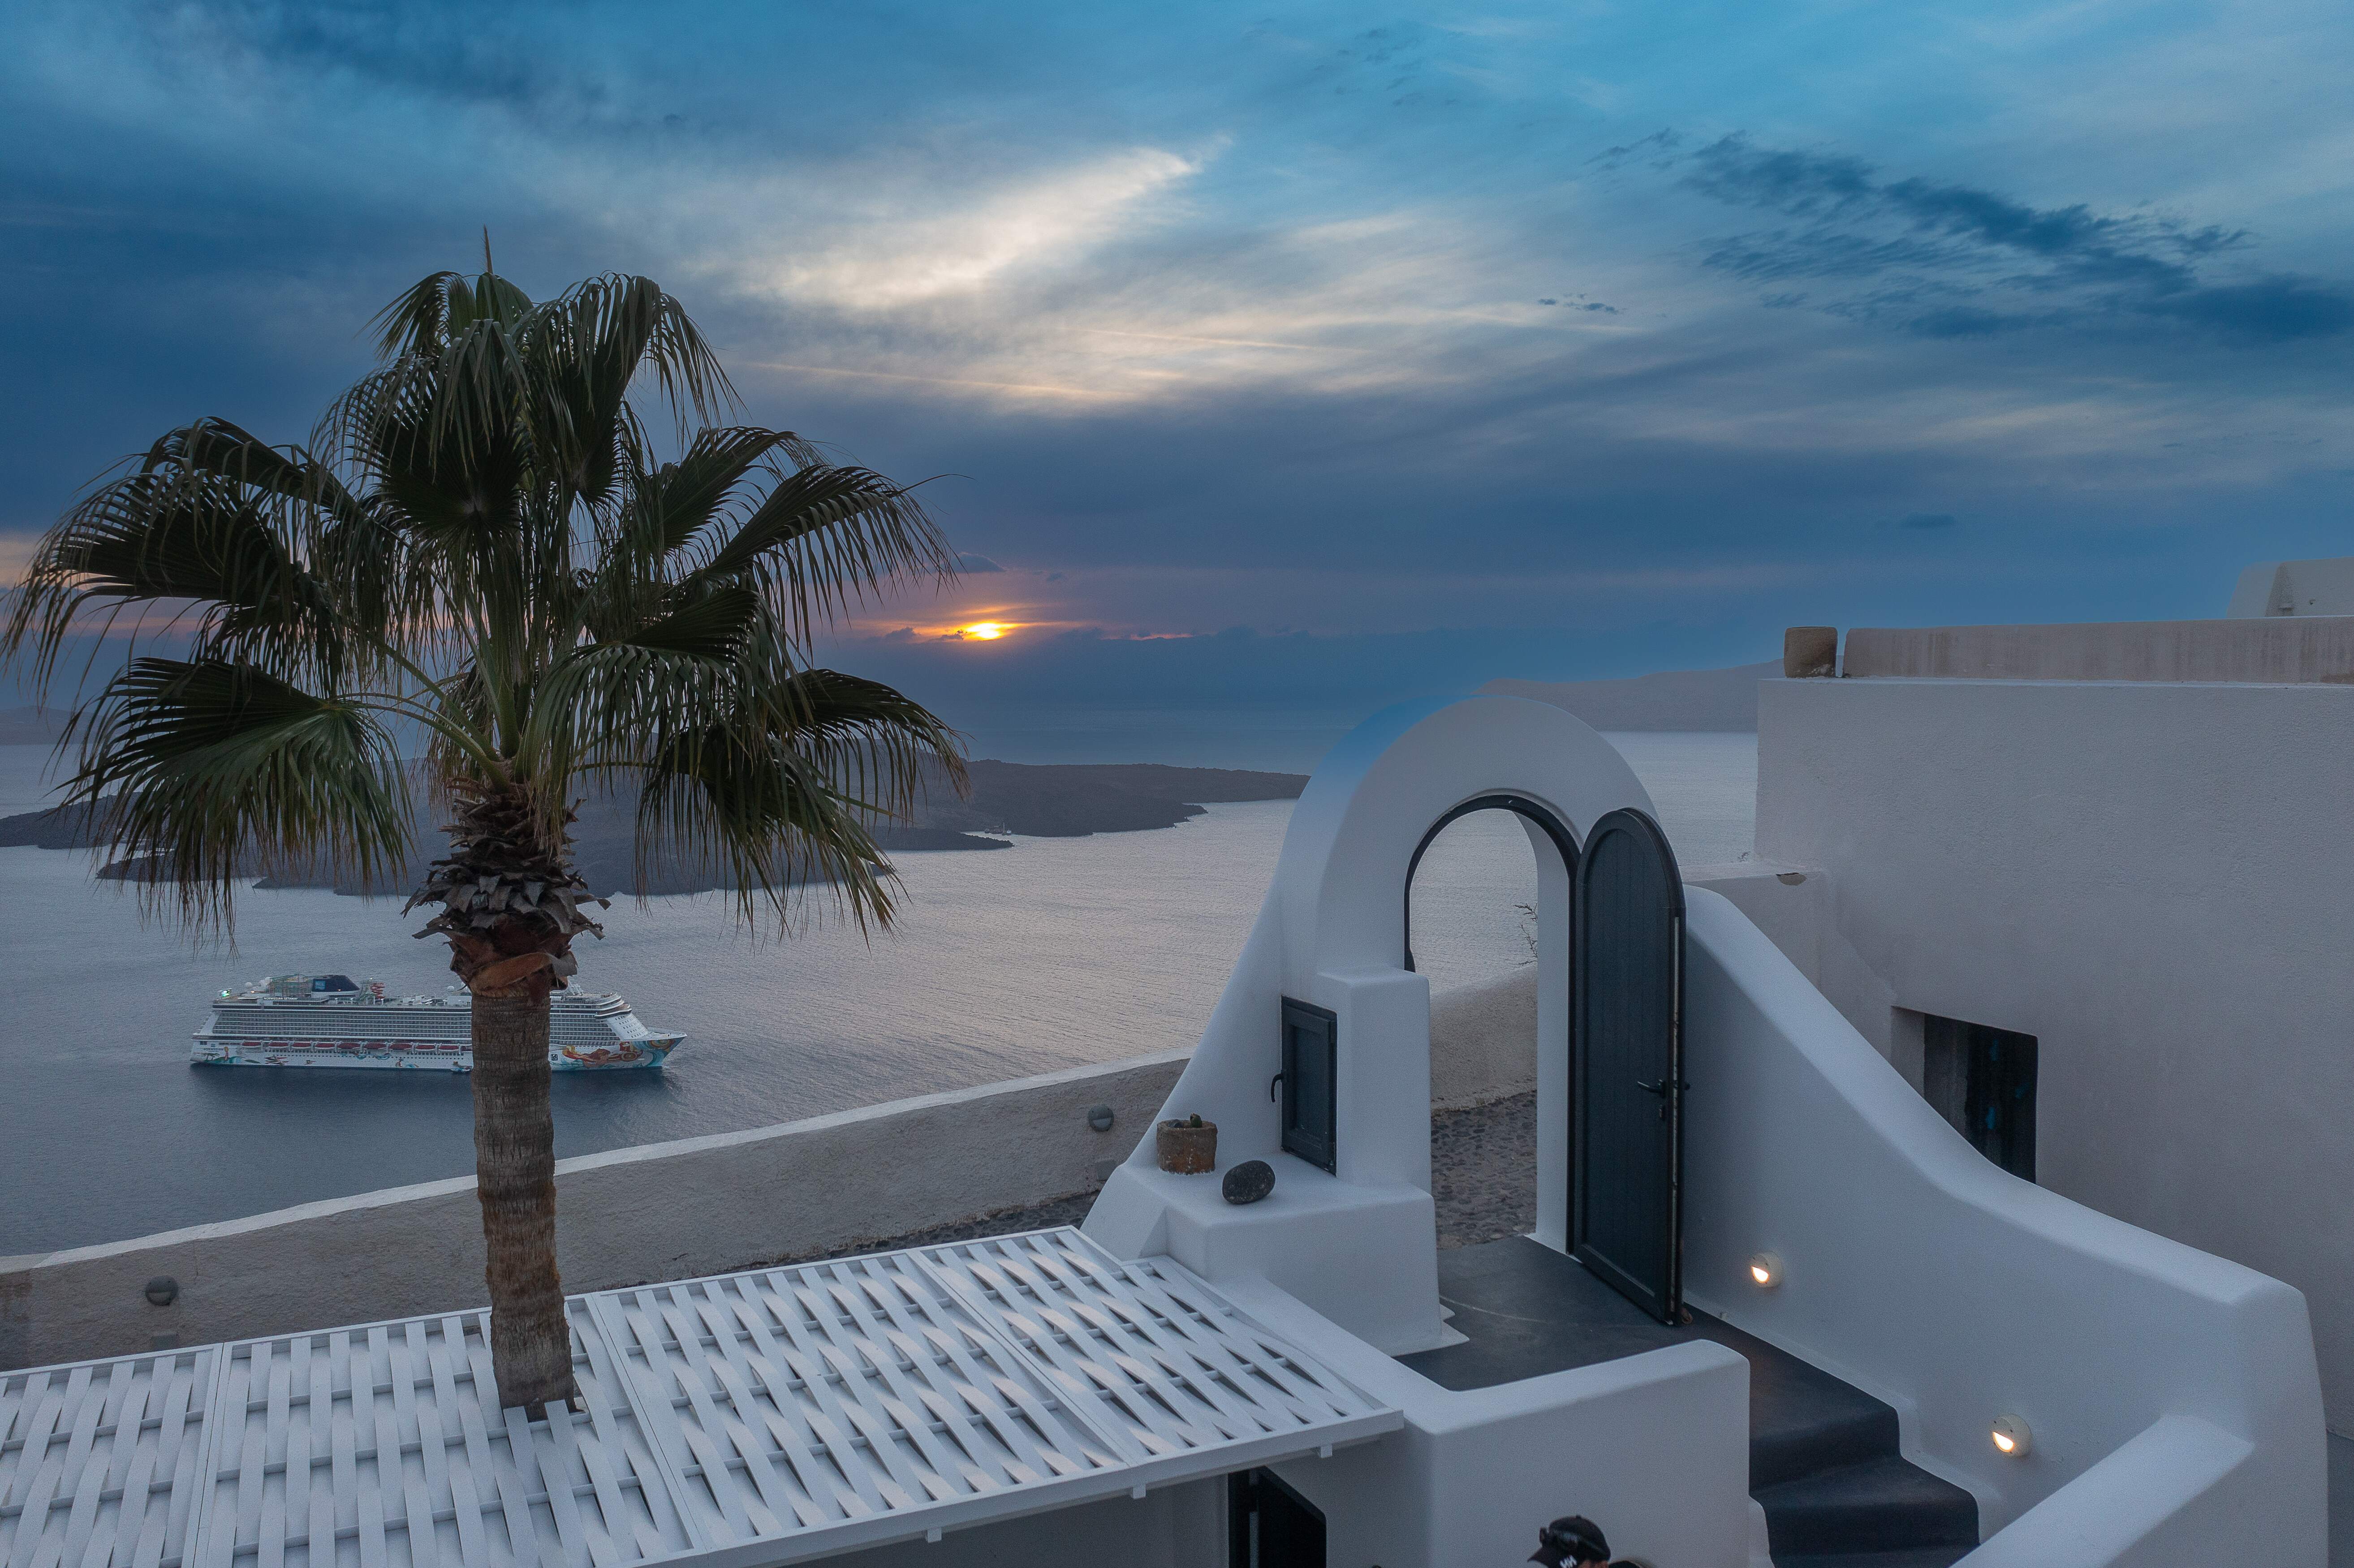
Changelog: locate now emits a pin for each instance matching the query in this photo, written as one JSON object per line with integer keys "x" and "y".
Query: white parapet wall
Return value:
{"x": 2155, "y": 880}
{"x": 662, "y": 1210}
{"x": 2166, "y": 1392}
{"x": 1483, "y": 1040}
{"x": 2310, "y": 648}
{"x": 659, "y": 1211}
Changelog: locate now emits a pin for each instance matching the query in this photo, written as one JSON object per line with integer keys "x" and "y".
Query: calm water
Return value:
{"x": 1054, "y": 953}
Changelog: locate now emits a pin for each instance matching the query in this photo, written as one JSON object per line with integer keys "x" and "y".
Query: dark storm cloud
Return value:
{"x": 2053, "y": 268}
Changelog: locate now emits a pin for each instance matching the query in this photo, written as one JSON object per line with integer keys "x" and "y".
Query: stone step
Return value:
{"x": 1910, "y": 1557}
{"x": 1882, "y": 1504}
{"x": 1823, "y": 1457}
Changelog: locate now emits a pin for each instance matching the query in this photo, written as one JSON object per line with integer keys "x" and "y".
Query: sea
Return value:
{"x": 1054, "y": 953}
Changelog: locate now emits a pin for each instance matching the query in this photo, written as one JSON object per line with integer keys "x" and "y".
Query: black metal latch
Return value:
{"x": 1660, "y": 1089}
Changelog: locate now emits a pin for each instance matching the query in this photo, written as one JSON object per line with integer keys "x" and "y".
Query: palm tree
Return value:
{"x": 480, "y": 556}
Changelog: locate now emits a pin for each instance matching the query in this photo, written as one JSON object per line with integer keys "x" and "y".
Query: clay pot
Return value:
{"x": 1187, "y": 1150}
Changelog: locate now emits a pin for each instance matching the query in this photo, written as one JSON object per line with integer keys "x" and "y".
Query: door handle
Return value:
{"x": 1660, "y": 1089}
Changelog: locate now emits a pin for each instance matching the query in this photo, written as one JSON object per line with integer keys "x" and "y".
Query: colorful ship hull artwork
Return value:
{"x": 330, "y": 1021}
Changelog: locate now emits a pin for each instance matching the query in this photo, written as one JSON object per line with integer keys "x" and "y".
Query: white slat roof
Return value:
{"x": 100, "y": 1461}
{"x": 749, "y": 1419}
{"x": 383, "y": 1447}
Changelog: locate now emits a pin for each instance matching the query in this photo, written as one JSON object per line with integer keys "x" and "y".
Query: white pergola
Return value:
{"x": 769, "y": 1416}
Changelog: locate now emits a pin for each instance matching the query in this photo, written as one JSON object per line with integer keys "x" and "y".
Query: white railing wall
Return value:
{"x": 1919, "y": 1271}
{"x": 662, "y": 1210}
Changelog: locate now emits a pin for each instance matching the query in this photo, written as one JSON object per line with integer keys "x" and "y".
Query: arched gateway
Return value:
{"x": 1351, "y": 1228}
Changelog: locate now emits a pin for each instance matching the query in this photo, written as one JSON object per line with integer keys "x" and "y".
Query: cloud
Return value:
{"x": 1903, "y": 244}
{"x": 1236, "y": 321}
{"x": 971, "y": 564}
{"x": 914, "y": 253}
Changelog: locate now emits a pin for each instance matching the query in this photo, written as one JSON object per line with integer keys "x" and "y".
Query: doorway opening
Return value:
{"x": 1473, "y": 931}
{"x": 1268, "y": 1525}
{"x": 1982, "y": 1080}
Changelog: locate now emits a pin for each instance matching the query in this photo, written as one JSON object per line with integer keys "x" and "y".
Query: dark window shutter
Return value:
{"x": 1311, "y": 1083}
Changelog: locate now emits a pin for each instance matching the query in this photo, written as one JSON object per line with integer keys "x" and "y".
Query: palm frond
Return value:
{"x": 438, "y": 307}
{"x": 677, "y": 501}
{"x": 826, "y": 538}
{"x": 876, "y": 745}
{"x": 738, "y": 798}
{"x": 206, "y": 522}
{"x": 215, "y": 769}
{"x": 477, "y": 543}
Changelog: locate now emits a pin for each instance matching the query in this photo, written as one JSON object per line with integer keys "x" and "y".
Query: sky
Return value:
{"x": 1292, "y": 361}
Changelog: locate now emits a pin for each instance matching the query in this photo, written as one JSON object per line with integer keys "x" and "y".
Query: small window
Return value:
{"x": 1983, "y": 1081}
{"x": 1312, "y": 1075}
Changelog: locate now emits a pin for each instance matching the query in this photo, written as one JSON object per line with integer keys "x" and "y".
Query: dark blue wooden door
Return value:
{"x": 1626, "y": 1064}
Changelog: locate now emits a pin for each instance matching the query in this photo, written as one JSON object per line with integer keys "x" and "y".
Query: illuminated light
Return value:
{"x": 1766, "y": 1270}
{"x": 2011, "y": 1436}
{"x": 986, "y": 630}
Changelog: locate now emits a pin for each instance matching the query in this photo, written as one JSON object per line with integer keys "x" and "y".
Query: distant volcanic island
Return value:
{"x": 1068, "y": 800}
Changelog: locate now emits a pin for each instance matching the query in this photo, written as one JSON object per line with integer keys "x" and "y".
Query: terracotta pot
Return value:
{"x": 1188, "y": 1151}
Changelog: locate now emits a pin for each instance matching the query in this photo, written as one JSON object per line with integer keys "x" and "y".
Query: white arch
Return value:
{"x": 1360, "y": 1245}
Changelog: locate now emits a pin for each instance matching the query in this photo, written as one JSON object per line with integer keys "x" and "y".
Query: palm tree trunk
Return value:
{"x": 515, "y": 1175}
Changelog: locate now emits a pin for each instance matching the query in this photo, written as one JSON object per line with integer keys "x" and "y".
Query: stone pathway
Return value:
{"x": 1483, "y": 1168}
{"x": 1483, "y": 1171}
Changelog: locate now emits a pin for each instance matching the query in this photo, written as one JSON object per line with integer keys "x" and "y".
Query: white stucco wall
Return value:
{"x": 2295, "y": 587}
{"x": 662, "y": 1210}
{"x": 2155, "y": 880}
{"x": 1358, "y": 1244}
{"x": 655, "y": 1211}
{"x": 2307, "y": 647}
{"x": 1483, "y": 1040}
{"x": 2171, "y": 1394}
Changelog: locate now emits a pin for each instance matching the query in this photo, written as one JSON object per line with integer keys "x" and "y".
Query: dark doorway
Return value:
{"x": 1626, "y": 1084}
{"x": 1268, "y": 1525}
{"x": 1983, "y": 1081}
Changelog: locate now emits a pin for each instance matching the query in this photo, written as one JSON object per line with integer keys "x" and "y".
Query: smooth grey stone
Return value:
{"x": 1248, "y": 1182}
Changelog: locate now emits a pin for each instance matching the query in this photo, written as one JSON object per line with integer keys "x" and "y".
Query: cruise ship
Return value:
{"x": 332, "y": 1021}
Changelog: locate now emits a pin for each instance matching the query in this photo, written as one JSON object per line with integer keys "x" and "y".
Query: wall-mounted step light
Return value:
{"x": 1766, "y": 1270}
{"x": 2011, "y": 1435}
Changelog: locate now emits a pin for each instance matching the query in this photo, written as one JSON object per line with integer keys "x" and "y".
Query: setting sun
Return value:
{"x": 986, "y": 630}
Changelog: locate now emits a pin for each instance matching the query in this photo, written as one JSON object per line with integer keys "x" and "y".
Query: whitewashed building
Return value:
{"x": 1777, "y": 1307}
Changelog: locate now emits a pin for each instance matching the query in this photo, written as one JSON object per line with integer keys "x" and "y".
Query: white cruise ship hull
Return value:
{"x": 418, "y": 1056}
{"x": 296, "y": 1021}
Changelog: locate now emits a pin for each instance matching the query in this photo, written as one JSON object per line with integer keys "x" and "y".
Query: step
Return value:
{"x": 1910, "y": 1557}
{"x": 1801, "y": 1418}
{"x": 1785, "y": 1444}
{"x": 1883, "y": 1504}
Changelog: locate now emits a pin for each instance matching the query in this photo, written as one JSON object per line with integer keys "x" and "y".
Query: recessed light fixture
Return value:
{"x": 1766, "y": 1270}
{"x": 2011, "y": 1435}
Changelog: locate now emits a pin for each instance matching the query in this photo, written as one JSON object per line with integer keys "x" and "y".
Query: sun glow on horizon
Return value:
{"x": 984, "y": 631}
